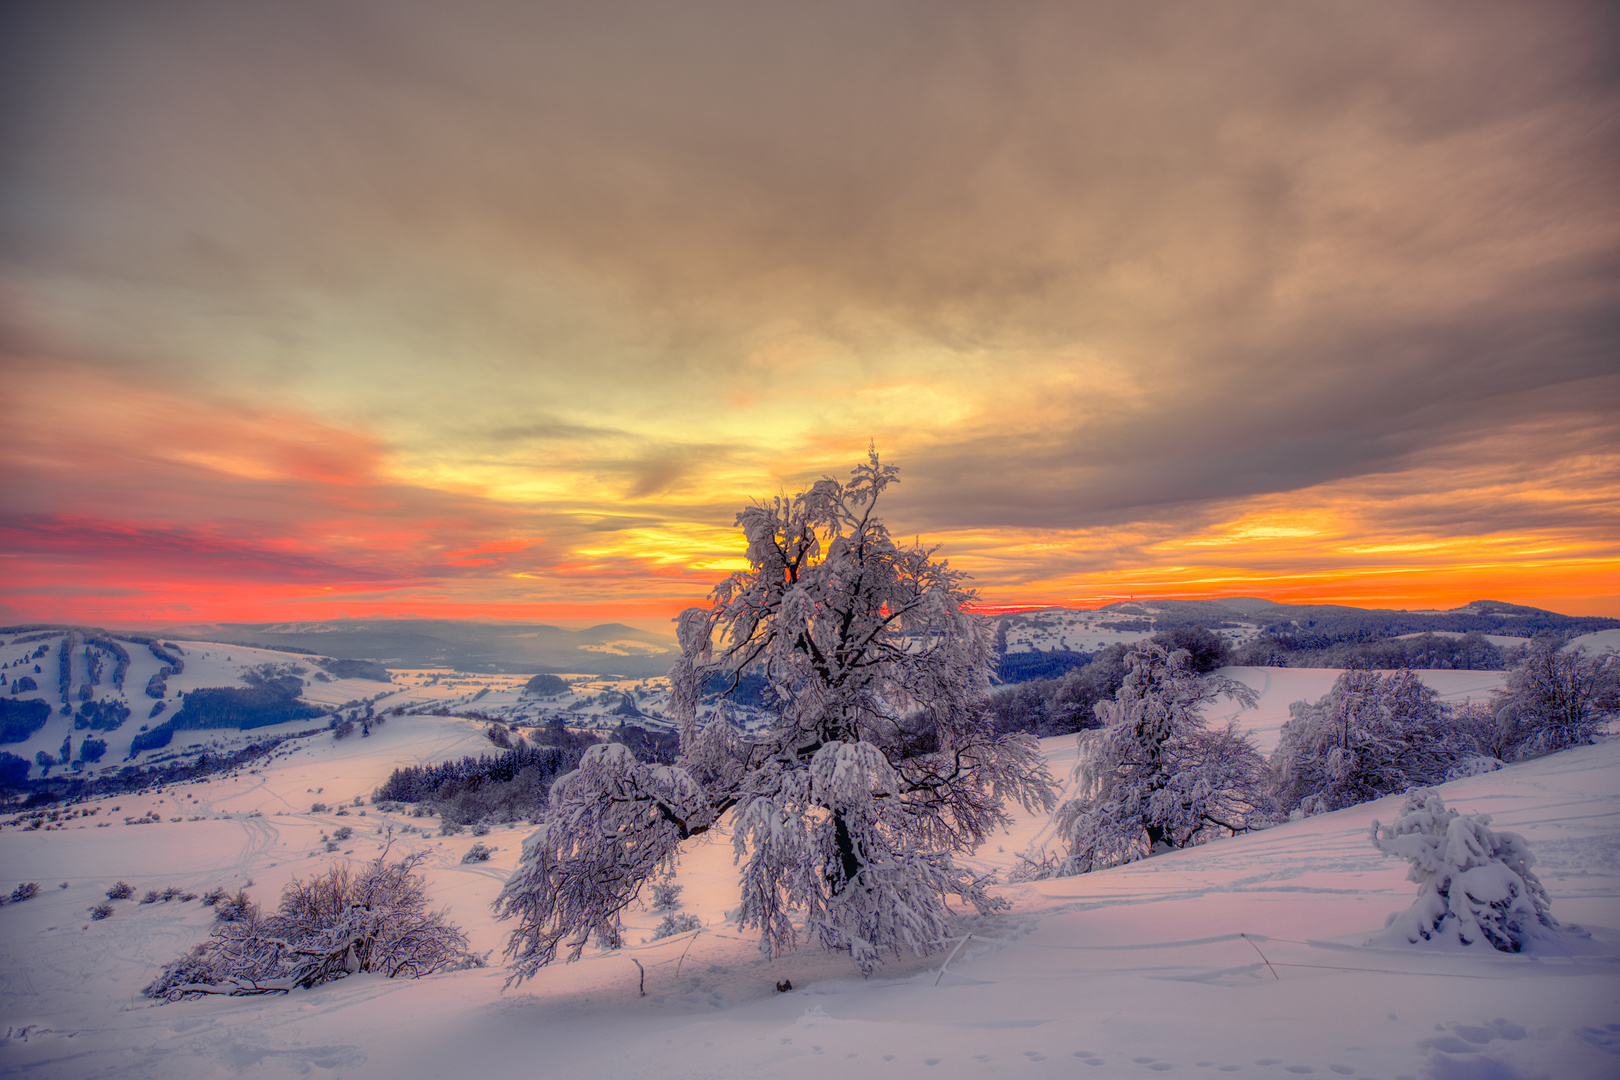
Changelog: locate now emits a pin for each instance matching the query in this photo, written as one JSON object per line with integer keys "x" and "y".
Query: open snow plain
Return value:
{"x": 1134, "y": 972}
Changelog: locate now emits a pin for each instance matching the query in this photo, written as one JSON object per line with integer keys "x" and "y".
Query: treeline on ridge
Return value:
{"x": 511, "y": 786}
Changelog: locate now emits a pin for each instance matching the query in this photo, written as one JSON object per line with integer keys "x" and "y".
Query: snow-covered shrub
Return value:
{"x": 319, "y": 808}
{"x": 151, "y": 897}
{"x": 1474, "y": 883}
{"x": 347, "y": 921}
{"x": 123, "y": 890}
{"x": 676, "y": 923}
{"x": 879, "y": 764}
{"x": 26, "y": 891}
{"x": 101, "y": 911}
{"x": 480, "y": 828}
{"x": 238, "y": 908}
{"x": 342, "y": 832}
{"x": 1370, "y": 735}
{"x": 450, "y": 828}
{"x": 1155, "y": 777}
{"x": 214, "y": 896}
{"x": 479, "y": 852}
{"x": 666, "y": 895}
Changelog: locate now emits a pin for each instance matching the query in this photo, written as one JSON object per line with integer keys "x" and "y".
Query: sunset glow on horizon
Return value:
{"x": 308, "y": 314}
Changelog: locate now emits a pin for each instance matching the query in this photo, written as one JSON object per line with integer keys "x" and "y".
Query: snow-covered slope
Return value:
{"x": 1128, "y": 972}
{"x": 146, "y": 697}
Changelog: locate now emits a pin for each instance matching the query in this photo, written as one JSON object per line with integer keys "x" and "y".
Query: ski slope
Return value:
{"x": 1241, "y": 958}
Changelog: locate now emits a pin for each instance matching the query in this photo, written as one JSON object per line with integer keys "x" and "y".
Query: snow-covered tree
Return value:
{"x": 374, "y": 919}
{"x": 846, "y": 811}
{"x": 1155, "y": 776}
{"x": 1370, "y": 735}
{"x": 1474, "y": 883}
{"x": 1555, "y": 697}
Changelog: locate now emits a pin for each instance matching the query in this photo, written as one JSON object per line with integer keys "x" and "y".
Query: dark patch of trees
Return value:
{"x": 1310, "y": 648}
{"x": 100, "y": 715}
{"x": 157, "y": 685}
{"x": 20, "y": 719}
{"x": 750, "y": 689}
{"x": 24, "y": 685}
{"x": 1023, "y": 666}
{"x": 1058, "y": 706}
{"x": 227, "y": 707}
{"x": 507, "y": 787}
{"x": 544, "y": 685}
{"x": 13, "y": 769}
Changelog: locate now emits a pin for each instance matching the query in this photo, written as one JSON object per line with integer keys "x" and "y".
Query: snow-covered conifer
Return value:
{"x": 881, "y": 762}
{"x": 1474, "y": 883}
{"x": 1156, "y": 777}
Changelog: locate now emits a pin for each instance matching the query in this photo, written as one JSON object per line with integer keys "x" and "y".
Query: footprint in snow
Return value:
{"x": 930, "y": 1061}
{"x": 1298, "y": 1069}
{"x": 1034, "y": 1055}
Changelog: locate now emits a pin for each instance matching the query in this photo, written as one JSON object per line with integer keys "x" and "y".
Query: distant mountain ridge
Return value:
{"x": 617, "y": 649}
{"x": 465, "y": 645}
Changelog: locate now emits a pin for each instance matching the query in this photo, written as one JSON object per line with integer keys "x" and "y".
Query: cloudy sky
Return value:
{"x": 505, "y": 309}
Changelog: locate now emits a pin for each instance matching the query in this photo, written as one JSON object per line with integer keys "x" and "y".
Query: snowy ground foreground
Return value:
{"x": 1130, "y": 972}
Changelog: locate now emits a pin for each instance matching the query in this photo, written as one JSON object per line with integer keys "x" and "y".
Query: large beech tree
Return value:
{"x": 880, "y": 763}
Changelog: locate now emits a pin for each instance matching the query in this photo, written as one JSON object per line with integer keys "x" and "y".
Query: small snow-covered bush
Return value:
{"x": 666, "y": 895}
{"x": 318, "y": 808}
{"x": 343, "y": 832}
{"x": 237, "y": 908}
{"x": 479, "y": 852}
{"x": 214, "y": 896}
{"x": 151, "y": 897}
{"x": 349, "y": 920}
{"x": 101, "y": 911}
{"x": 26, "y": 891}
{"x": 121, "y": 891}
{"x": 676, "y": 924}
{"x": 1474, "y": 883}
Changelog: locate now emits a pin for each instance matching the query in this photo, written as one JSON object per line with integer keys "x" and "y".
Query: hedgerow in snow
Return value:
{"x": 1474, "y": 883}
{"x": 1156, "y": 777}
{"x": 346, "y": 921}
{"x": 881, "y": 762}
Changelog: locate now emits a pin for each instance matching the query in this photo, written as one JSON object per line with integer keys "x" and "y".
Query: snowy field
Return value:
{"x": 1138, "y": 971}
